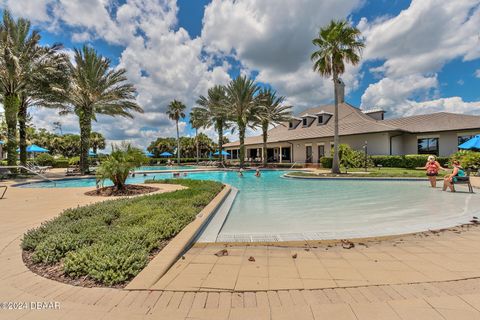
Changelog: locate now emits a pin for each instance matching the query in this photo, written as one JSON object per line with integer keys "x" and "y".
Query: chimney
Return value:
{"x": 341, "y": 91}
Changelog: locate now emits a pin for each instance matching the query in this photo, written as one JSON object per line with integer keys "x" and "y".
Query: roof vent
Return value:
{"x": 376, "y": 114}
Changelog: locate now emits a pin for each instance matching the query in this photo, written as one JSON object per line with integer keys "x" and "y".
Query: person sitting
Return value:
{"x": 257, "y": 173}
{"x": 450, "y": 179}
{"x": 432, "y": 166}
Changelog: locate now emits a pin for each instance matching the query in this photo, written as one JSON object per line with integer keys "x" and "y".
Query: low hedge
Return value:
{"x": 407, "y": 161}
{"x": 110, "y": 242}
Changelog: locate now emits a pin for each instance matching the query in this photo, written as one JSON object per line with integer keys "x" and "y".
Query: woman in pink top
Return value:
{"x": 432, "y": 166}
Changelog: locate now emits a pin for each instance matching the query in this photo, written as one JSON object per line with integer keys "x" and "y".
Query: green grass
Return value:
{"x": 110, "y": 242}
{"x": 377, "y": 172}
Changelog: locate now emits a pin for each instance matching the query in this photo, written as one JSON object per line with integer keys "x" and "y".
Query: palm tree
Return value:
{"x": 214, "y": 111}
{"x": 271, "y": 112}
{"x": 30, "y": 74}
{"x": 196, "y": 122}
{"x": 97, "y": 141}
{"x": 176, "y": 111}
{"x": 242, "y": 101}
{"x": 338, "y": 43}
{"x": 96, "y": 89}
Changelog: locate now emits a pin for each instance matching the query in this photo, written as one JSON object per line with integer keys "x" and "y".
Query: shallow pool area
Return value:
{"x": 274, "y": 208}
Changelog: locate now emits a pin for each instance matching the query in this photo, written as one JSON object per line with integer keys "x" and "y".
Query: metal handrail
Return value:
{"x": 31, "y": 171}
{"x": 293, "y": 165}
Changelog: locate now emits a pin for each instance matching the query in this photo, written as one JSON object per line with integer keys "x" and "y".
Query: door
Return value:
{"x": 321, "y": 151}
{"x": 308, "y": 158}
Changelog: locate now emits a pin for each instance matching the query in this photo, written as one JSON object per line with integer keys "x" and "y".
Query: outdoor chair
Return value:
{"x": 5, "y": 173}
{"x": 4, "y": 191}
{"x": 464, "y": 180}
{"x": 72, "y": 171}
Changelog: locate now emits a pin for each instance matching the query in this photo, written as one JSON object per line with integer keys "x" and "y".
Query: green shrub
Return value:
{"x": 44, "y": 159}
{"x": 61, "y": 163}
{"x": 407, "y": 161}
{"x": 118, "y": 165}
{"x": 326, "y": 162}
{"x": 73, "y": 161}
{"x": 352, "y": 158}
{"x": 111, "y": 241}
{"x": 467, "y": 158}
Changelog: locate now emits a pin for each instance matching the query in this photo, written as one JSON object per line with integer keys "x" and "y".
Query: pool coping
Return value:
{"x": 287, "y": 176}
{"x": 167, "y": 257}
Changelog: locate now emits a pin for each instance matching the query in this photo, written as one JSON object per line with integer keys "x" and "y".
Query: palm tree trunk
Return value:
{"x": 22, "y": 132}
{"x": 85, "y": 130}
{"x": 265, "y": 138}
{"x": 178, "y": 144}
{"x": 336, "y": 137}
{"x": 11, "y": 105}
{"x": 241, "y": 136}
{"x": 197, "y": 145}
{"x": 220, "y": 140}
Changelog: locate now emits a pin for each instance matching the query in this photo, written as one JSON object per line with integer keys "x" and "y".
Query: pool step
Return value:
{"x": 213, "y": 228}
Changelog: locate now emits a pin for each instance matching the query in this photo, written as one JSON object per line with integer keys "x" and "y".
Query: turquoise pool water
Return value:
{"x": 273, "y": 207}
{"x": 160, "y": 168}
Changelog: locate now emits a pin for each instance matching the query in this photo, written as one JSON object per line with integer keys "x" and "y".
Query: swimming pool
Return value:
{"x": 273, "y": 208}
{"x": 160, "y": 168}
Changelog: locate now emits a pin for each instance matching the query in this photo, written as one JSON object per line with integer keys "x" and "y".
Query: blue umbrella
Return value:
{"x": 473, "y": 143}
{"x": 149, "y": 154}
{"x": 166, "y": 154}
{"x": 91, "y": 153}
{"x": 224, "y": 153}
{"x": 1, "y": 142}
{"x": 34, "y": 149}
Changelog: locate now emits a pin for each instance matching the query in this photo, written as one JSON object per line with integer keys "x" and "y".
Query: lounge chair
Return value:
{"x": 4, "y": 191}
{"x": 37, "y": 169}
{"x": 464, "y": 180}
{"x": 73, "y": 171}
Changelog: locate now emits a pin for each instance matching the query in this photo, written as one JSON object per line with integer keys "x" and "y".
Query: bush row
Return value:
{"x": 407, "y": 161}
{"x": 111, "y": 241}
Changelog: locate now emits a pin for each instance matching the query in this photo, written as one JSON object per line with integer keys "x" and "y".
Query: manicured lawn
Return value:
{"x": 111, "y": 242}
{"x": 377, "y": 172}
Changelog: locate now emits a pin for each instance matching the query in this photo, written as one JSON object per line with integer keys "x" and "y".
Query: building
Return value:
{"x": 309, "y": 135}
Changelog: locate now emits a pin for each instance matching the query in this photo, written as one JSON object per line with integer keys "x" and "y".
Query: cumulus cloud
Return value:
{"x": 413, "y": 47}
{"x": 273, "y": 37}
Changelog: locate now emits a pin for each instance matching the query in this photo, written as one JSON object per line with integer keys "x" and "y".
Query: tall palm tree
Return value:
{"x": 242, "y": 101}
{"x": 271, "y": 112}
{"x": 337, "y": 43}
{"x": 29, "y": 74}
{"x": 97, "y": 141}
{"x": 215, "y": 112}
{"x": 96, "y": 89}
{"x": 176, "y": 111}
{"x": 196, "y": 122}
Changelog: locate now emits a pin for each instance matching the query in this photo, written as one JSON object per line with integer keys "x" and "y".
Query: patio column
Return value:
{"x": 280, "y": 154}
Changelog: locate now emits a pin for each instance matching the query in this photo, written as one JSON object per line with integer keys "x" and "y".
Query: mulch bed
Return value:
{"x": 130, "y": 190}
{"x": 55, "y": 271}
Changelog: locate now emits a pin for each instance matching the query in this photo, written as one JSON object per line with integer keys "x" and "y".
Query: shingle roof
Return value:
{"x": 353, "y": 121}
{"x": 441, "y": 121}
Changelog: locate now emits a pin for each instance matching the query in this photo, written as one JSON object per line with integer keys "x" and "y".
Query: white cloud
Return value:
{"x": 274, "y": 38}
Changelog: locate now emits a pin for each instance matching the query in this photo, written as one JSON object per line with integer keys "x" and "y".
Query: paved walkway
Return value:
{"x": 431, "y": 261}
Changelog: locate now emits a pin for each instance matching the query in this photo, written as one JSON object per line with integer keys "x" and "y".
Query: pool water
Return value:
{"x": 160, "y": 168}
{"x": 288, "y": 209}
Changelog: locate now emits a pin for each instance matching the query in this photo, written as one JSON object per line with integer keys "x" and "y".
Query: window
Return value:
{"x": 290, "y": 125}
{"x": 465, "y": 138}
{"x": 320, "y": 119}
{"x": 428, "y": 146}
{"x": 304, "y": 121}
{"x": 308, "y": 154}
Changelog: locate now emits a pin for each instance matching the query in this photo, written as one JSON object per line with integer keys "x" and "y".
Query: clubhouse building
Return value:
{"x": 309, "y": 135}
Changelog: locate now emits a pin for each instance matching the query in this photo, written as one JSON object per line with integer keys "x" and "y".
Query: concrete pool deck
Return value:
{"x": 420, "y": 277}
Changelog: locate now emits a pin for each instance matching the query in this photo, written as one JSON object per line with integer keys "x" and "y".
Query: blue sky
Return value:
{"x": 421, "y": 56}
